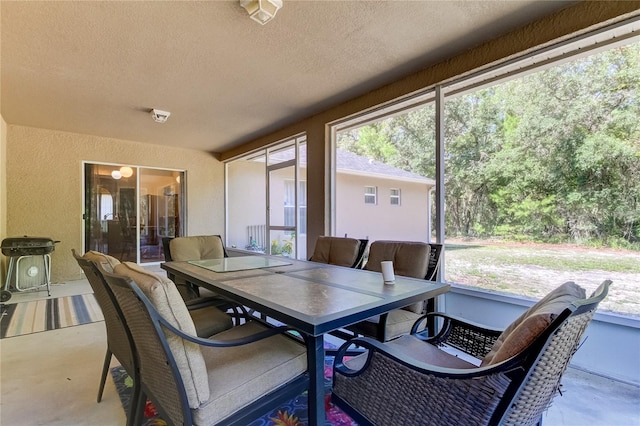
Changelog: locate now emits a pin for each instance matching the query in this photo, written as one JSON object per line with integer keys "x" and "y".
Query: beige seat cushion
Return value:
{"x": 524, "y": 330}
{"x": 418, "y": 350}
{"x": 426, "y": 352}
{"x": 336, "y": 251}
{"x": 399, "y": 322}
{"x": 410, "y": 259}
{"x": 240, "y": 375}
{"x": 167, "y": 301}
{"x": 210, "y": 320}
{"x": 104, "y": 260}
{"x": 196, "y": 248}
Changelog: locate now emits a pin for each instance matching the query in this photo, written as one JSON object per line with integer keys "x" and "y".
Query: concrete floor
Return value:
{"x": 51, "y": 378}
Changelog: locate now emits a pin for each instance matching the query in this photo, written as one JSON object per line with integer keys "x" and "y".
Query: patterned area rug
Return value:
{"x": 48, "y": 314}
{"x": 293, "y": 413}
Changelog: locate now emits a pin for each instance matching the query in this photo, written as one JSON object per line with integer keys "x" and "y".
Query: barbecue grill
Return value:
{"x": 29, "y": 264}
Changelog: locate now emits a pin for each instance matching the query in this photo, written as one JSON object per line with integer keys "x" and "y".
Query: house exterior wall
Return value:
{"x": 44, "y": 186}
{"x": 246, "y": 189}
{"x": 246, "y": 200}
{"x": 382, "y": 221}
{"x": 246, "y": 197}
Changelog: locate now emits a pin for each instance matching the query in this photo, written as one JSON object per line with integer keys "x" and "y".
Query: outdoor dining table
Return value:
{"x": 314, "y": 298}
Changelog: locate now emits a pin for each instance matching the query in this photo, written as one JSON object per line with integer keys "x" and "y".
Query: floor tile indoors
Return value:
{"x": 51, "y": 378}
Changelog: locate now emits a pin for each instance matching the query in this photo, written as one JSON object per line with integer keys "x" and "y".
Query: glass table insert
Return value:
{"x": 240, "y": 263}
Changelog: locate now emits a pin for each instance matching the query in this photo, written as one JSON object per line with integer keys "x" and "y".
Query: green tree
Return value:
{"x": 550, "y": 156}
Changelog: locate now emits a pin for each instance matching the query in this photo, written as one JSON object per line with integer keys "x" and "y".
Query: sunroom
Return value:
{"x": 517, "y": 150}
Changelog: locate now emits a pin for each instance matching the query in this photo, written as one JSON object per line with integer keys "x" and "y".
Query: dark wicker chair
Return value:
{"x": 410, "y": 259}
{"x": 197, "y": 248}
{"x": 193, "y": 248}
{"x": 208, "y": 320}
{"x": 119, "y": 341}
{"x": 412, "y": 381}
{"x": 339, "y": 251}
{"x": 243, "y": 373}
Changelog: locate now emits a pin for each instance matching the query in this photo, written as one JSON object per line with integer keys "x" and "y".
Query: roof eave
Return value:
{"x": 426, "y": 181}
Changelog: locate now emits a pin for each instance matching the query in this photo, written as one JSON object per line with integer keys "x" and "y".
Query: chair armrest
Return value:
{"x": 472, "y": 338}
{"x": 206, "y": 301}
{"x": 203, "y": 302}
{"x": 390, "y": 378}
{"x": 238, "y": 312}
{"x": 224, "y": 343}
{"x": 373, "y": 346}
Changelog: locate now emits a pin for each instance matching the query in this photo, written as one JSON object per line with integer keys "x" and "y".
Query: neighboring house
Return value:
{"x": 378, "y": 201}
{"x": 373, "y": 200}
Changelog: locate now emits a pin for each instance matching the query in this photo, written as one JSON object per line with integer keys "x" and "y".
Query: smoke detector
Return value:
{"x": 160, "y": 116}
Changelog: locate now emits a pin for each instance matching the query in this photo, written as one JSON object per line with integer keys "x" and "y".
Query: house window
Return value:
{"x": 394, "y": 197}
{"x": 370, "y": 195}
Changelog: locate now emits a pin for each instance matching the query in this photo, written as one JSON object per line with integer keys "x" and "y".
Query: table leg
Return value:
{"x": 315, "y": 361}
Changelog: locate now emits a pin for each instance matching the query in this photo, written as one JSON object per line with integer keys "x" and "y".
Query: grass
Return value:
{"x": 534, "y": 269}
{"x": 560, "y": 259}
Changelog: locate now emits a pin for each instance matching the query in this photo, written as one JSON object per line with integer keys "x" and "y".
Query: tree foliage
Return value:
{"x": 550, "y": 156}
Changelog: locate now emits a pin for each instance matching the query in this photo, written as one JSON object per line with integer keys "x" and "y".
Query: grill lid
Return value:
{"x": 27, "y": 246}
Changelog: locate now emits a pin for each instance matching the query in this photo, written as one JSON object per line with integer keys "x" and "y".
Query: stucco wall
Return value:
{"x": 383, "y": 221}
{"x": 44, "y": 186}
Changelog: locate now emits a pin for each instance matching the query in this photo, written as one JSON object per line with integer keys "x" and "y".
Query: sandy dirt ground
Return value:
{"x": 535, "y": 269}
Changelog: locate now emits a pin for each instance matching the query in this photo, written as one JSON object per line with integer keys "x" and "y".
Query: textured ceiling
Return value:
{"x": 99, "y": 67}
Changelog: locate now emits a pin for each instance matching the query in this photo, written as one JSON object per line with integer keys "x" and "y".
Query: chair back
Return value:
{"x": 545, "y": 361}
{"x": 118, "y": 339}
{"x": 160, "y": 378}
{"x": 339, "y": 251}
{"x": 193, "y": 248}
{"x": 410, "y": 259}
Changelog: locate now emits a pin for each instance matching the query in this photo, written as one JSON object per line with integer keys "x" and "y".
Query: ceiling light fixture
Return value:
{"x": 126, "y": 171}
{"x": 160, "y": 116}
{"x": 116, "y": 174}
{"x": 261, "y": 11}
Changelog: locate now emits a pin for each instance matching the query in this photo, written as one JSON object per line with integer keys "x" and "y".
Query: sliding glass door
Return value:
{"x": 128, "y": 210}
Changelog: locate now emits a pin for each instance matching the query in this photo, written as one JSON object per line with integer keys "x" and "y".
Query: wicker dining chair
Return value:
{"x": 196, "y": 247}
{"x": 119, "y": 341}
{"x": 209, "y": 315}
{"x": 410, "y": 259}
{"x": 208, "y": 320}
{"x": 231, "y": 378}
{"x": 340, "y": 251}
{"x": 199, "y": 247}
{"x": 416, "y": 380}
